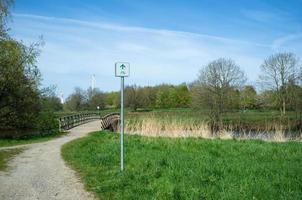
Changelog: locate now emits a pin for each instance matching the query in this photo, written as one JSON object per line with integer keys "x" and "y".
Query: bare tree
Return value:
{"x": 77, "y": 100}
{"x": 95, "y": 98}
{"x": 279, "y": 71}
{"x": 216, "y": 87}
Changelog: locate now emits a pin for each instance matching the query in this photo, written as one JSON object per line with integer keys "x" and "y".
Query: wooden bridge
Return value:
{"x": 109, "y": 122}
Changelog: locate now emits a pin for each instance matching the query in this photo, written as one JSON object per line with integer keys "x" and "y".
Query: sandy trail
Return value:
{"x": 39, "y": 172}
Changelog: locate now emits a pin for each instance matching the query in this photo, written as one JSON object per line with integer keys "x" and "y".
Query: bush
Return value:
{"x": 47, "y": 123}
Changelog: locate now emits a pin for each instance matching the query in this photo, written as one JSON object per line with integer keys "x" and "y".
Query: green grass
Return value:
{"x": 34, "y": 139}
{"x": 6, "y": 155}
{"x": 164, "y": 168}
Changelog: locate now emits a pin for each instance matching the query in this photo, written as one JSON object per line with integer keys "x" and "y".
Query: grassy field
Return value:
{"x": 165, "y": 168}
{"x": 6, "y": 155}
{"x": 34, "y": 139}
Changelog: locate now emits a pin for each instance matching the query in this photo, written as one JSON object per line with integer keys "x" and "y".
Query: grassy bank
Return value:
{"x": 6, "y": 155}
{"x": 164, "y": 168}
{"x": 33, "y": 139}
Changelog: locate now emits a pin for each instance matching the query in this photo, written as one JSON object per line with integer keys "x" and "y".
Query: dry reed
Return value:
{"x": 163, "y": 126}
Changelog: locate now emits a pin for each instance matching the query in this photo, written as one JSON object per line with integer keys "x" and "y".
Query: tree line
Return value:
{"x": 220, "y": 87}
{"x": 136, "y": 97}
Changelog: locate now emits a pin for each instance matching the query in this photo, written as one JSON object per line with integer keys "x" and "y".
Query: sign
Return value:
{"x": 122, "y": 69}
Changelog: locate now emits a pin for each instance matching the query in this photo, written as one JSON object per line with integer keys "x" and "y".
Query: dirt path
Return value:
{"x": 39, "y": 172}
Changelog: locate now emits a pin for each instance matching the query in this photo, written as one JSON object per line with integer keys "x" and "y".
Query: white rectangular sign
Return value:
{"x": 122, "y": 69}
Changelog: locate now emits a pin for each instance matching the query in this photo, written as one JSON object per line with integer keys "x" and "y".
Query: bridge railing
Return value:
{"x": 110, "y": 121}
{"x": 70, "y": 121}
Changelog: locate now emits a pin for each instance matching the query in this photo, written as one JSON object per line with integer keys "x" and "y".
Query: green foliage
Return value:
{"x": 77, "y": 100}
{"x": 19, "y": 80}
{"x": 112, "y": 99}
{"x": 52, "y": 104}
{"x": 169, "y": 96}
{"x": 133, "y": 99}
{"x": 49, "y": 100}
{"x": 88, "y": 99}
{"x": 183, "y": 96}
{"x": 295, "y": 94}
{"x": 21, "y": 100}
{"x": 96, "y": 98}
{"x": 248, "y": 97}
{"x": 47, "y": 123}
{"x": 163, "y": 168}
{"x": 148, "y": 95}
{"x": 267, "y": 100}
{"x": 165, "y": 97}
{"x": 161, "y": 96}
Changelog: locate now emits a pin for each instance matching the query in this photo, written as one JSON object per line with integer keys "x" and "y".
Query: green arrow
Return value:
{"x": 122, "y": 66}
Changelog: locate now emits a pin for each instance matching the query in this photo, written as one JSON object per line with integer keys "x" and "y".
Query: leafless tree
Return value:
{"x": 279, "y": 72}
{"x": 215, "y": 88}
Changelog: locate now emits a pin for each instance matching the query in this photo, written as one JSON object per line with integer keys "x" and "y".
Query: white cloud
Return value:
{"x": 75, "y": 49}
{"x": 281, "y": 43}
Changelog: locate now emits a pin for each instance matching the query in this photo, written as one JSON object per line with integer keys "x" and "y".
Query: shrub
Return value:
{"x": 47, "y": 123}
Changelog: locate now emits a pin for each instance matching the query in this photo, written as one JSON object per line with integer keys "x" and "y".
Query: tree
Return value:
{"x": 4, "y": 14}
{"x": 165, "y": 96}
{"x": 214, "y": 88}
{"x": 96, "y": 98}
{"x": 267, "y": 100}
{"x": 21, "y": 100}
{"x": 112, "y": 99}
{"x": 88, "y": 99}
{"x": 148, "y": 96}
{"x": 248, "y": 97}
{"x": 49, "y": 100}
{"x": 278, "y": 71}
{"x": 77, "y": 100}
{"x": 183, "y": 96}
{"x": 132, "y": 98}
{"x": 19, "y": 81}
{"x": 295, "y": 92}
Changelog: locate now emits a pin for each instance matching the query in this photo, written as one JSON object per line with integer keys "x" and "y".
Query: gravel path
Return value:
{"x": 39, "y": 172}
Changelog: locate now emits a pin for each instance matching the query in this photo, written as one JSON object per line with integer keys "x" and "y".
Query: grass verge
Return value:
{"x": 6, "y": 155}
{"x": 35, "y": 139}
{"x": 165, "y": 168}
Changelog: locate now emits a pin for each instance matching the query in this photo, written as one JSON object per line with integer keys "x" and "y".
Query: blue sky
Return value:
{"x": 165, "y": 41}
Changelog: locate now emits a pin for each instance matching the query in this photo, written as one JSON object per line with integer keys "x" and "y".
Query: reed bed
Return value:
{"x": 188, "y": 125}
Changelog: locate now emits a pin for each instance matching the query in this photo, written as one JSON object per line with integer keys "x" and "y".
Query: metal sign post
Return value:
{"x": 122, "y": 69}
